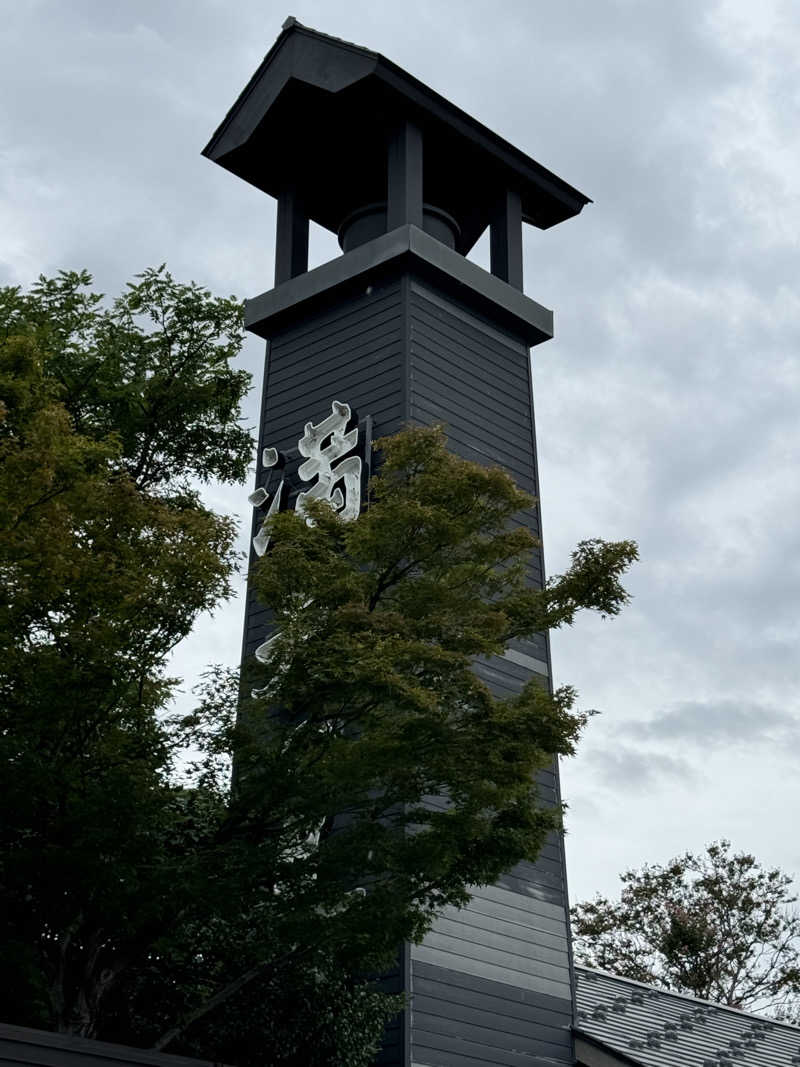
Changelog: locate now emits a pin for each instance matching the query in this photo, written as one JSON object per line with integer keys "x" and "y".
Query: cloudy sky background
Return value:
{"x": 667, "y": 405}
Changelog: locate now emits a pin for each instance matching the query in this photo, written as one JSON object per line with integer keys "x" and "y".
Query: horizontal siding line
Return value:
{"x": 429, "y": 364}
{"x": 519, "y": 902}
{"x": 283, "y": 428}
{"x": 483, "y": 932}
{"x": 427, "y": 415}
{"x": 482, "y": 365}
{"x": 420, "y": 416}
{"x": 473, "y": 420}
{"x": 470, "y": 931}
{"x": 544, "y": 871}
{"x": 463, "y": 986}
{"x": 534, "y": 646}
{"x": 330, "y": 320}
{"x": 456, "y": 334}
{"x": 516, "y": 962}
{"x": 307, "y": 391}
{"x": 328, "y": 350}
{"x": 462, "y": 1030}
{"x": 526, "y": 662}
{"x": 465, "y": 317}
{"x": 504, "y": 1004}
{"x": 551, "y": 848}
{"x": 508, "y": 1025}
{"x": 534, "y": 892}
{"x": 530, "y": 645}
{"x": 550, "y": 853}
{"x": 488, "y": 672}
{"x": 530, "y": 520}
{"x": 509, "y": 669}
{"x": 528, "y": 517}
{"x": 324, "y": 347}
{"x": 493, "y": 972}
{"x": 545, "y": 887}
{"x": 334, "y": 361}
{"x": 463, "y": 1053}
{"x": 474, "y": 404}
{"x": 424, "y": 348}
{"x": 314, "y": 404}
{"x": 386, "y": 419}
{"x": 502, "y": 1009}
{"x": 355, "y": 324}
{"x": 314, "y": 394}
{"x": 499, "y": 691}
{"x": 534, "y": 1036}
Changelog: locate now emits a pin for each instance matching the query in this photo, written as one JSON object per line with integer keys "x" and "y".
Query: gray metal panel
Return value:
{"x": 659, "y": 1029}
{"x": 465, "y": 1020}
{"x": 392, "y": 351}
{"x": 513, "y": 937}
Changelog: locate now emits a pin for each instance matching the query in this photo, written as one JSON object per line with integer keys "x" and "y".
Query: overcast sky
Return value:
{"x": 667, "y": 404}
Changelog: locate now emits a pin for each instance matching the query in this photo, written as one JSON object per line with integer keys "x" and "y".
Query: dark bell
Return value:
{"x": 369, "y": 222}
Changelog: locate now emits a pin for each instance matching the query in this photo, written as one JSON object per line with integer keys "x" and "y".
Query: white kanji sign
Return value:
{"x": 325, "y": 447}
{"x": 269, "y": 459}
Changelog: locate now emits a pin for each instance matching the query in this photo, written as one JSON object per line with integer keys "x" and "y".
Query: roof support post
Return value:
{"x": 291, "y": 237}
{"x": 505, "y": 238}
{"x": 404, "y": 185}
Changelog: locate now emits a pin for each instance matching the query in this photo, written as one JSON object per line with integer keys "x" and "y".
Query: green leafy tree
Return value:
{"x": 379, "y": 622}
{"x": 109, "y": 416}
{"x": 376, "y": 776}
{"x": 717, "y": 925}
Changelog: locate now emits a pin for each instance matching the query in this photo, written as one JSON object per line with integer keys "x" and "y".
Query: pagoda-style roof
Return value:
{"x": 314, "y": 117}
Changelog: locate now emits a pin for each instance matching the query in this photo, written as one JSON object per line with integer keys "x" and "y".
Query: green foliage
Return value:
{"x": 153, "y": 372}
{"x": 106, "y": 558}
{"x": 376, "y": 776}
{"x": 390, "y": 779}
{"x": 379, "y": 622}
{"x": 717, "y": 926}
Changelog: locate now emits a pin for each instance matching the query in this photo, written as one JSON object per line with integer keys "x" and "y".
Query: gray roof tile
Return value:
{"x": 660, "y": 1029}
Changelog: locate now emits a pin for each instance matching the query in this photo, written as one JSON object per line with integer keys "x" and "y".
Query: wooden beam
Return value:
{"x": 291, "y": 237}
{"x": 505, "y": 238}
{"x": 404, "y": 185}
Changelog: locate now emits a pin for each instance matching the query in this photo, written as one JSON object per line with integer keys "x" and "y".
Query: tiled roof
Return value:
{"x": 659, "y": 1029}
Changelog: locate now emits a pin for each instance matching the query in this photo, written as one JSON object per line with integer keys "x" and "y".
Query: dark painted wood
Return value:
{"x": 404, "y": 345}
{"x": 472, "y": 374}
{"x": 395, "y": 252}
{"x": 404, "y": 176}
{"x": 505, "y": 238}
{"x": 291, "y": 236}
{"x": 316, "y": 98}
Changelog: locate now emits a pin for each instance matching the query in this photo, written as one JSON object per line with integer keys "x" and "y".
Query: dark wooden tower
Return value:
{"x": 405, "y": 329}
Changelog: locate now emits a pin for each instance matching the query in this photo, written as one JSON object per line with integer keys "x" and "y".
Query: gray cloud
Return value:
{"x": 725, "y": 722}
{"x": 625, "y": 769}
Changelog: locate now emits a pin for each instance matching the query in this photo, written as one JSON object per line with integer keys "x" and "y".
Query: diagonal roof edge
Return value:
{"x": 290, "y": 24}
{"x": 434, "y": 104}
